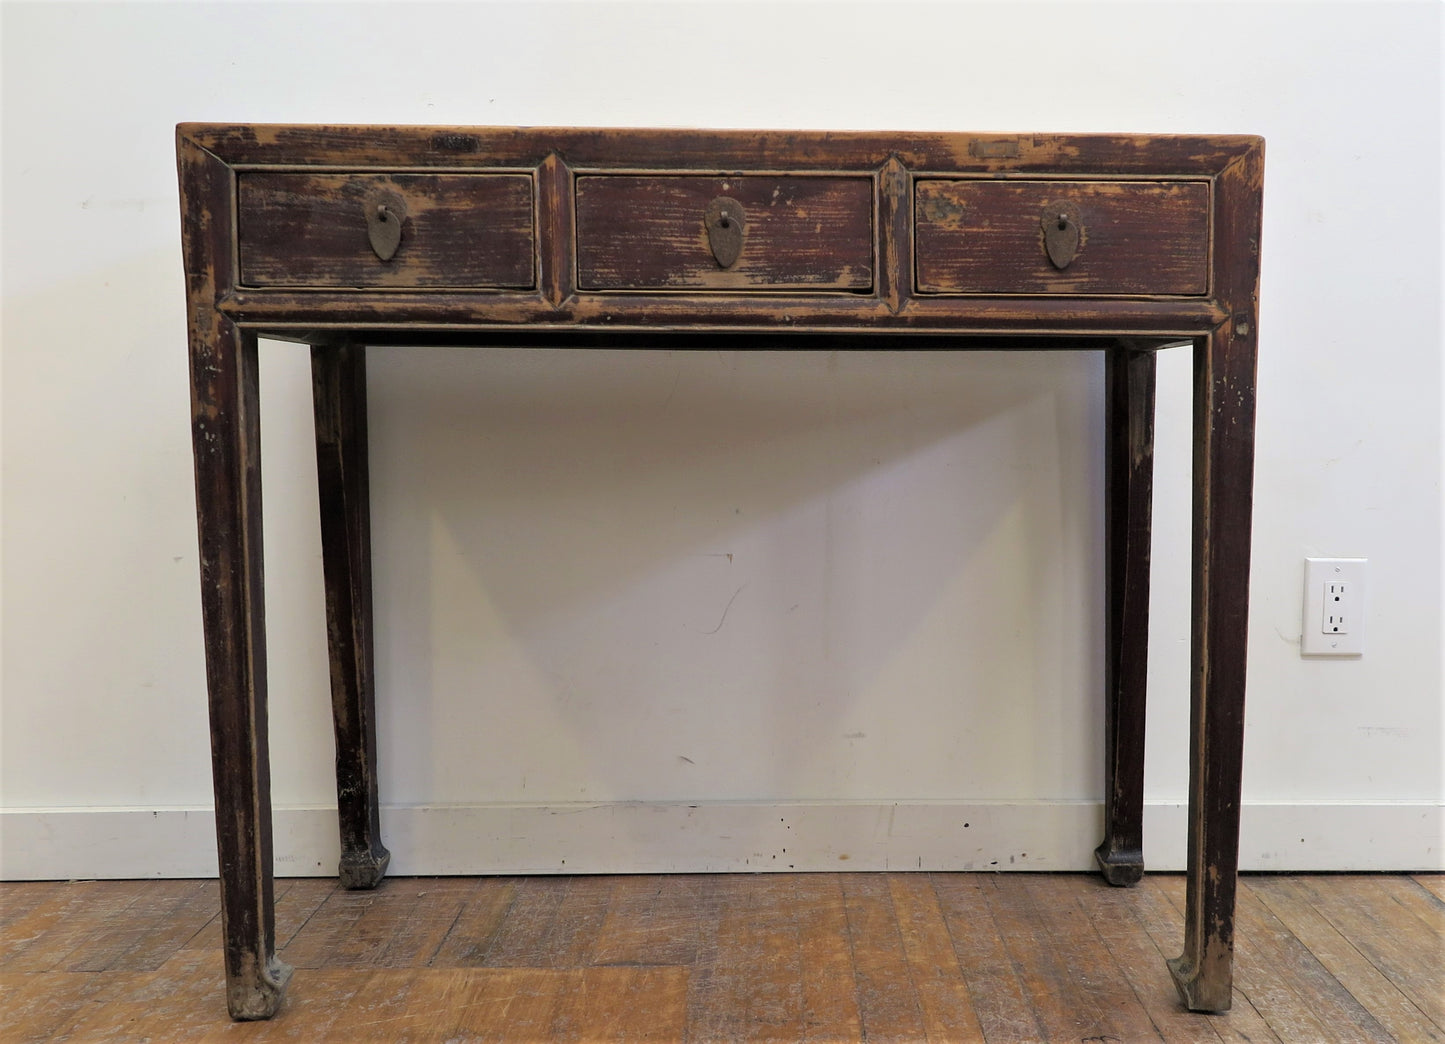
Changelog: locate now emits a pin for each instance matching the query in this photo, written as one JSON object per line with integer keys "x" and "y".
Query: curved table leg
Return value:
{"x": 1128, "y": 494}
{"x": 1224, "y": 365}
{"x": 226, "y": 437}
{"x": 338, "y": 382}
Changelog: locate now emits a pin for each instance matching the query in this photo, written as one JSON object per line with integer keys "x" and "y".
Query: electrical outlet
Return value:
{"x": 1334, "y": 607}
{"x": 1339, "y": 611}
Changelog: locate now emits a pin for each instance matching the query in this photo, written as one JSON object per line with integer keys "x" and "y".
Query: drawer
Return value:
{"x": 457, "y": 230}
{"x": 638, "y": 232}
{"x": 1135, "y": 237}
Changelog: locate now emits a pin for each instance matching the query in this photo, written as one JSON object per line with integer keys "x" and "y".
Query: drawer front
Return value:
{"x": 458, "y": 230}
{"x": 638, "y": 232}
{"x": 1135, "y": 237}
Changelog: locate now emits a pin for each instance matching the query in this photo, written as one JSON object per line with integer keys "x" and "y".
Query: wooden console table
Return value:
{"x": 342, "y": 237}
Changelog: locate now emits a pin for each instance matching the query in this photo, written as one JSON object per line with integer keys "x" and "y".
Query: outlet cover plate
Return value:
{"x": 1334, "y": 587}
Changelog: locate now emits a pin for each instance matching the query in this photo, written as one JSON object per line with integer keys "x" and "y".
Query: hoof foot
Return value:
{"x": 1121, "y": 867}
{"x": 363, "y": 869}
{"x": 1196, "y": 991}
{"x": 258, "y": 995}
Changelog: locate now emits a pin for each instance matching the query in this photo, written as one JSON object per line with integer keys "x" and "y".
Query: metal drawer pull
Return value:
{"x": 385, "y": 214}
{"x": 1061, "y": 233}
{"x": 725, "y": 223}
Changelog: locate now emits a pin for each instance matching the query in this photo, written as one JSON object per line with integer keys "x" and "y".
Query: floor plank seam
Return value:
{"x": 1310, "y": 958}
{"x": 1426, "y": 894}
{"x": 907, "y": 964}
{"x": 304, "y": 921}
{"x": 1364, "y": 958}
{"x": 1013, "y": 959}
{"x": 973, "y": 1000}
{"x": 857, "y": 957}
{"x": 1386, "y": 973}
{"x": 1133, "y": 986}
{"x": 852, "y": 958}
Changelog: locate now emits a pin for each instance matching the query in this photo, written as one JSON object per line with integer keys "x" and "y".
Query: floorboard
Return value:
{"x": 902, "y": 957}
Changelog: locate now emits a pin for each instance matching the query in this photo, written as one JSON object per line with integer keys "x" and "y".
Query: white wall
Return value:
{"x": 857, "y": 595}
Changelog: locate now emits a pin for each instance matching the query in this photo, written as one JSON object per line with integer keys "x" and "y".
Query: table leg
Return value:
{"x": 338, "y": 382}
{"x": 1224, "y": 365}
{"x": 1128, "y": 484}
{"x": 226, "y": 437}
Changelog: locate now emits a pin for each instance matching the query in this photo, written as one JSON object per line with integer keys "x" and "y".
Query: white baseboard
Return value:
{"x": 636, "y": 837}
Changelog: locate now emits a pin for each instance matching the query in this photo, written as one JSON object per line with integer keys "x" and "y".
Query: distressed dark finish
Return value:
{"x": 1223, "y": 468}
{"x": 856, "y": 240}
{"x": 1224, "y": 379}
{"x": 312, "y": 230}
{"x": 297, "y": 315}
{"x": 338, "y": 380}
{"x": 226, "y": 443}
{"x": 593, "y": 148}
{"x": 647, "y": 233}
{"x": 1128, "y": 500}
{"x": 1136, "y": 237}
{"x": 557, "y": 224}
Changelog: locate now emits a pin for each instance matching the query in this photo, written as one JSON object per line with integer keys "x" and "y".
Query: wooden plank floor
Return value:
{"x": 770, "y": 957}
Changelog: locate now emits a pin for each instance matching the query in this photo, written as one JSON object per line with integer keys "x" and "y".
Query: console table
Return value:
{"x": 343, "y": 237}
